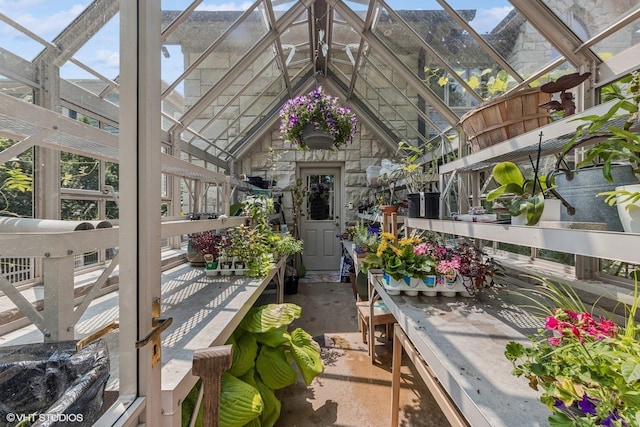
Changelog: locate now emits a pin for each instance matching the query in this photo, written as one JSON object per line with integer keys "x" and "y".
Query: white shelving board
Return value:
{"x": 598, "y": 244}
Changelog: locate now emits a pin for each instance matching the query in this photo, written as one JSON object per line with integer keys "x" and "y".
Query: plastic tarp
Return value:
{"x": 53, "y": 379}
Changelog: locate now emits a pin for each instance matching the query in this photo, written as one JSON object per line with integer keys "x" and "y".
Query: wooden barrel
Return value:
{"x": 505, "y": 117}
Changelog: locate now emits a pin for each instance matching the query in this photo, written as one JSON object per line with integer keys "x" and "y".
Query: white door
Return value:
{"x": 321, "y": 221}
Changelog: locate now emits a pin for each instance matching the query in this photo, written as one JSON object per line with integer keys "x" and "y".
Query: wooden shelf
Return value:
{"x": 461, "y": 341}
{"x": 598, "y": 244}
{"x": 555, "y": 136}
{"x": 205, "y": 311}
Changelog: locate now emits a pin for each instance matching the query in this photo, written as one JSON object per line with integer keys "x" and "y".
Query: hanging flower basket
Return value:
{"x": 316, "y": 121}
{"x": 316, "y": 139}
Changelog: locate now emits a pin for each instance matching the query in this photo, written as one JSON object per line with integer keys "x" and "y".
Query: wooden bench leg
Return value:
{"x": 396, "y": 366}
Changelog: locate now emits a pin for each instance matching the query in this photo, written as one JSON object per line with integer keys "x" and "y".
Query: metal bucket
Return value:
{"x": 581, "y": 193}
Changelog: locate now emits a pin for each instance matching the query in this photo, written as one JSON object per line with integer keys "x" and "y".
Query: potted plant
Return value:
{"x": 617, "y": 145}
{"x": 462, "y": 263}
{"x": 362, "y": 238}
{"x": 317, "y": 111}
{"x": 585, "y": 366}
{"x": 200, "y": 244}
{"x": 417, "y": 177}
{"x": 399, "y": 261}
{"x": 527, "y": 202}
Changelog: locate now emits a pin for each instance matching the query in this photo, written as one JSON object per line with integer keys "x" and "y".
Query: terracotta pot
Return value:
{"x": 388, "y": 209}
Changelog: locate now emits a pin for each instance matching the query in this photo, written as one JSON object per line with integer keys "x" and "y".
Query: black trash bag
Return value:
{"x": 52, "y": 383}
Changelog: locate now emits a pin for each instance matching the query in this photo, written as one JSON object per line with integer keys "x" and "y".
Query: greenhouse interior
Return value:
{"x": 319, "y": 212}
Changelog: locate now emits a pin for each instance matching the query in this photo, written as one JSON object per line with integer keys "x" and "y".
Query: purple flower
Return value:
{"x": 323, "y": 111}
{"x": 613, "y": 416}
{"x": 587, "y": 404}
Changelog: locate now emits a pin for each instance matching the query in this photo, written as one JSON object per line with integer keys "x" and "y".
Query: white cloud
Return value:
{"x": 104, "y": 59}
{"x": 48, "y": 23}
{"x": 225, "y": 6}
{"x": 487, "y": 19}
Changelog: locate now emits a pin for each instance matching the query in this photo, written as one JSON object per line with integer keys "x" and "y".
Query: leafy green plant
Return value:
{"x": 399, "y": 259}
{"x": 287, "y": 245}
{"x": 588, "y": 368}
{"x": 264, "y": 357}
{"x": 528, "y": 194}
{"x": 614, "y": 144}
{"x": 255, "y": 242}
{"x": 362, "y": 237}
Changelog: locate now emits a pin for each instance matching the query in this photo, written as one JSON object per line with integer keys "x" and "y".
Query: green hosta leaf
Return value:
{"x": 245, "y": 351}
{"x": 274, "y": 337}
{"x": 272, "y": 405}
{"x": 239, "y": 402}
{"x": 253, "y": 423}
{"x": 271, "y": 316}
{"x": 274, "y": 368}
{"x": 306, "y": 353}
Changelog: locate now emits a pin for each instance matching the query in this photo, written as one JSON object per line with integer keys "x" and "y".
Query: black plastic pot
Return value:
{"x": 424, "y": 205}
{"x": 290, "y": 285}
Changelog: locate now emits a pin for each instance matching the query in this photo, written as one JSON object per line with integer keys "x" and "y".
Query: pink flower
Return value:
{"x": 420, "y": 249}
{"x": 554, "y": 341}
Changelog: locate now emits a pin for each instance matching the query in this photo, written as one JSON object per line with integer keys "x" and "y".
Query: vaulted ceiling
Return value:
{"x": 410, "y": 69}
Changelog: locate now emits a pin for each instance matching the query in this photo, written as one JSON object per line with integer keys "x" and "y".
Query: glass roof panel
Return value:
{"x": 618, "y": 42}
{"x": 450, "y": 41}
{"x": 406, "y": 115}
{"x": 280, "y": 6}
{"x": 45, "y": 21}
{"x": 222, "y": 124}
{"x": 101, "y": 53}
{"x": 587, "y": 18}
{"x": 344, "y": 47}
{"x": 16, "y": 89}
{"x": 295, "y": 45}
{"x": 204, "y": 30}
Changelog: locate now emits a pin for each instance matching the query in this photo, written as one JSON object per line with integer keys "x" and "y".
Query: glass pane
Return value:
{"x": 344, "y": 48}
{"x": 44, "y": 22}
{"x": 588, "y": 18}
{"x": 409, "y": 115}
{"x": 211, "y": 46}
{"x": 245, "y": 101}
{"x": 296, "y": 47}
{"x": 618, "y": 42}
{"x": 320, "y": 197}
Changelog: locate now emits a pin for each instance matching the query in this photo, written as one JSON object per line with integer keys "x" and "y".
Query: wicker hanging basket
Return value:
{"x": 505, "y": 117}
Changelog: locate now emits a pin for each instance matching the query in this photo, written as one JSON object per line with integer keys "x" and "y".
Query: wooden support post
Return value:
{"x": 209, "y": 364}
{"x": 396, "y": 366}
{"x": 390, "y": 223}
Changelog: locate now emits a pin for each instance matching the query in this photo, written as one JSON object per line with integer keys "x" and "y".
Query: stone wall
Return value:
{"x": 274, "y": 160}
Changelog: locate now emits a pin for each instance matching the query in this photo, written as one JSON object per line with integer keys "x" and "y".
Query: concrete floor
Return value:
{"x": 350, "y": 391}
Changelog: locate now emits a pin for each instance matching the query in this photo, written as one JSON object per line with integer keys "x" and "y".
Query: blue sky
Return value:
{"x": 47, "y": 18}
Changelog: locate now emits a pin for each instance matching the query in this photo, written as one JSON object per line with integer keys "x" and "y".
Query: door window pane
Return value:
{"x": 320, "y": 197}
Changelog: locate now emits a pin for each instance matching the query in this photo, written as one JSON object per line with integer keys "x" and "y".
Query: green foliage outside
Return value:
{"x": 16, "y": 183}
